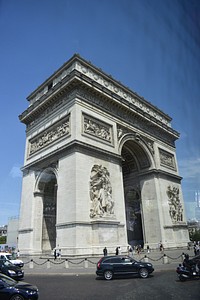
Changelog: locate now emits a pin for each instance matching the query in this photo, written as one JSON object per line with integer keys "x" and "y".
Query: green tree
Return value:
{"x": 3, "y": 239}
{"x": 195, "y": 236}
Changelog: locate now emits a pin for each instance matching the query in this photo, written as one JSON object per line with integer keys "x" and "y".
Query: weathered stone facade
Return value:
{"x": 100, "y": 167}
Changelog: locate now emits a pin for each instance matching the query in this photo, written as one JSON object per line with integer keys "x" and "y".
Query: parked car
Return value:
{"x": 7, "y": 268}
{"x": 13, "y": 290}
{"x": 14, "y": 260}
{"x": 110, "y": 266}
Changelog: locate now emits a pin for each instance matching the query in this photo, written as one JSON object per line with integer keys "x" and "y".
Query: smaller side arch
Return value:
{"x": 46, "y": 195}
{"x": 43, "y": 177}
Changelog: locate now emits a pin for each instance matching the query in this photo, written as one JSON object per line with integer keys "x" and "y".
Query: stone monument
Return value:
{"x": 100, "y": 168}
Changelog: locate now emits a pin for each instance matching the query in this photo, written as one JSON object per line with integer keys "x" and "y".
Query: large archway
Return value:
{"x": 134, "y": 161}
{"x": 48, "y": 186}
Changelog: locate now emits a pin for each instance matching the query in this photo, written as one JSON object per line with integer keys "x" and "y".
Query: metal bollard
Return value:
{"x": 66, "y": 264}
{"x": 86, "y": 263}
{"x": 165, "y": 259}
{"x": 146, "y": 259}
{"x": 31, "y": 264}
{"x": 48, "y": 264}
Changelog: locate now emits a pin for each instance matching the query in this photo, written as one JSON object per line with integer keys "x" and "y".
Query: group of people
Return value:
{"x": 130, "y": 250}
{"x": 117, "y": 251}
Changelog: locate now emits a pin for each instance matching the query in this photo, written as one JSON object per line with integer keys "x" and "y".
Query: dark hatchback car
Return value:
{"x": 11, "y": 270}
{"x": 13, "y": 290}
{"x": 110, "y": 266}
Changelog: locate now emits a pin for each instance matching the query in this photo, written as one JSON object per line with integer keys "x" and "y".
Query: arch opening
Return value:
{"x": 48, "y": 186}
{"x": 134, "y": 161}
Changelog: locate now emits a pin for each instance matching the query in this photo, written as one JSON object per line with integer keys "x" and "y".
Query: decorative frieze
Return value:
{"x": 50, "y": 135}
{"x": 175, "y": 206}
{"x": 52, "y": 108}
{"x": 97, "y": 129}
{"x": 129, "y": 117}
{"x": 102, "y": 203}
{"x": 123, "y": 92}
{"x": 167, "y": 159}
{"x": 107, "y": 83}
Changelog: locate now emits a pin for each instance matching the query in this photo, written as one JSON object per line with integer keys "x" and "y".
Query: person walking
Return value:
{"x": 55, "y": 254}
{"x": 117, "y": 251}
{"x": 105, "y": 251}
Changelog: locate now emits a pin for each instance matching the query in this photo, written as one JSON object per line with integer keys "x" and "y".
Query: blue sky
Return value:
{"x": 151, "y": 46}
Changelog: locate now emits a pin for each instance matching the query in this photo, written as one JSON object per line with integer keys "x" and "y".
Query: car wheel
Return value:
{"x": 108, "y": 275}
{"x": 17, "y": 297}
{"x": 143, "y": 272}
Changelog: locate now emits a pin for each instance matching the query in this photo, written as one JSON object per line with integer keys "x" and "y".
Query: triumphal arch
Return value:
{"x": 100, "y": 167}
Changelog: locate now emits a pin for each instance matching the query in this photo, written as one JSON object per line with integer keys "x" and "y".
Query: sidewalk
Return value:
{"x": 167, "y": 260}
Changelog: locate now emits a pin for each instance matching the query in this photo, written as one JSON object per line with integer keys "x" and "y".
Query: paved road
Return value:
{"x": 160, "y": 286}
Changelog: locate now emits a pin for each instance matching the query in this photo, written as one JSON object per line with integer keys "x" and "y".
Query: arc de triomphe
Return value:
{"x": 100, "y": 167}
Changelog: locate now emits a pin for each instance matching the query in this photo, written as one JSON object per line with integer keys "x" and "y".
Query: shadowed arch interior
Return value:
{"x": 48, "y": 185}
{"x": 134, "y": 160}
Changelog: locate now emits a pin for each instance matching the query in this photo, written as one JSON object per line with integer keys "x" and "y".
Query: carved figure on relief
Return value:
{"x": 102, "y": 203}
{"x": 96, "y": 129}
{"x": 175, "y": 206}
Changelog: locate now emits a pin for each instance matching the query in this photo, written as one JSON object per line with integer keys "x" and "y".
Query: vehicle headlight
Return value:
{"x": 149, "y": 265}
{"x": 31, "y": 292}
{"x": 11, "y": 272}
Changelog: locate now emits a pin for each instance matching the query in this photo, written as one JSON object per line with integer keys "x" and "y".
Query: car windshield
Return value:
{"x": 6, "y": 263}
{"x": 9, "y": 256}
{"x": 8, "y": 280}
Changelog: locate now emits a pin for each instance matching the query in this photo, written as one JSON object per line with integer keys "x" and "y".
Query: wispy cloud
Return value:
{"x": 15, "y": 172}
{"x": 190, "y": 168}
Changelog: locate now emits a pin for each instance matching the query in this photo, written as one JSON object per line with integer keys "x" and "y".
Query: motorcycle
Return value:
{"x": 185, "y": 273}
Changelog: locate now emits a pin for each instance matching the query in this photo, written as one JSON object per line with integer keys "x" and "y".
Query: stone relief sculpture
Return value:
{"x": 49, "y": 136}
{"x": 175, "y": 206}
{"x": 167, "y": 159}
{"x": 97, "y": 129}
{"x": 102, "y": 204}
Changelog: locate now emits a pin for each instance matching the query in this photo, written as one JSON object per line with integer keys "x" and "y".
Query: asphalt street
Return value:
{"x": 160, "y": 285}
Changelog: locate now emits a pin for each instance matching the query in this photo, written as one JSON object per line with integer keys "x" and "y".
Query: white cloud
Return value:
{"x": 15, "y": 172}
{"x": 189, "y": 168}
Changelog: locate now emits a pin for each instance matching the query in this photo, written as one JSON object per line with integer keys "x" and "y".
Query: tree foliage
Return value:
{"x": 3, "y": 239}
{"x": 195, "y": 236}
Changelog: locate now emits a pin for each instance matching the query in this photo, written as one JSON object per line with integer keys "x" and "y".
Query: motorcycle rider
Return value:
{"x": 189, "y": 264}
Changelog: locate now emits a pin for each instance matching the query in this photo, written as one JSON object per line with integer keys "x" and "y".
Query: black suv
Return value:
{"x": 109, "y": 266}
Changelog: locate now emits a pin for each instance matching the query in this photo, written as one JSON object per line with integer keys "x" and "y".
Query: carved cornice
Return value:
{"x": 160, "y": 174}
{"x": 85, "y": 223}
{"x": 25, "y": 230}
{"x": 90, "y": 72}
{"x": 128, "y": 104}
{"x": 74, "y": 146}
